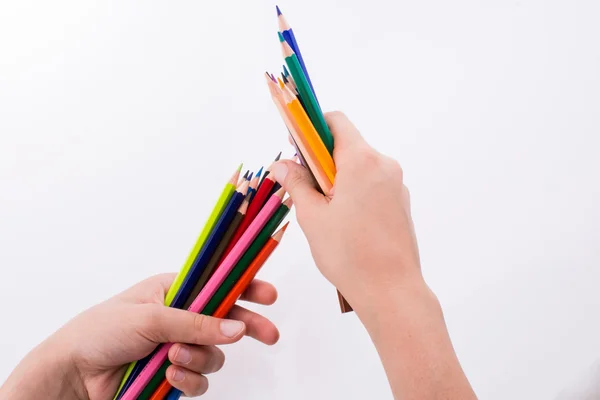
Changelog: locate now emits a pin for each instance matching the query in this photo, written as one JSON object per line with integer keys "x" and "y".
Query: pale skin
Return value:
{"x": 362, "y": 239}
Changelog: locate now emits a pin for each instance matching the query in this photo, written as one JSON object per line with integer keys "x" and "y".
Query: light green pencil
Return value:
{"x": 208, "y": 227}
{"x": 307, "y": 95}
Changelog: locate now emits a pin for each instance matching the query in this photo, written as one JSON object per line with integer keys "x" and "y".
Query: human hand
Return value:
{"x": 363, "y": 241}
{"x": 87, "y": 356}
{"x": 362, "y": 236}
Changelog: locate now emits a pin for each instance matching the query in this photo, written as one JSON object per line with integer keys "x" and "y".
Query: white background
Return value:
{"x": 120, "y": 121}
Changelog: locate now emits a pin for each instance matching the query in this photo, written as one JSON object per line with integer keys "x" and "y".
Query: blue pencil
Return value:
{"x": 174, "y": 394}
{"x": 211, "y": 244}
{"x": 288, "y": 34}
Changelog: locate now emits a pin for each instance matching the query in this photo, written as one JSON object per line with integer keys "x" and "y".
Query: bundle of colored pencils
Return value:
{"x": 295, "y": 98}
{"x": 239, "y": 236}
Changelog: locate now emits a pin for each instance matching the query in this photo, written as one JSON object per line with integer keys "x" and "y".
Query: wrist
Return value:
{"x": 412, "y": 300}
{"x": 45, "y": 370}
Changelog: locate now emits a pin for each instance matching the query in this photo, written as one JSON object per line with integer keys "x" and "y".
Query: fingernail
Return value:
{"x": 231, "y": 328}
{"x": 178, "y": 375}
{"x": 280, "y": 171}
{"x": 183, "y": 355}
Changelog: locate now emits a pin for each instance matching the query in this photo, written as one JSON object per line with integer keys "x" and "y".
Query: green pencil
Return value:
{"x": 306, "y": 94}
{"x": 247, "y": 258}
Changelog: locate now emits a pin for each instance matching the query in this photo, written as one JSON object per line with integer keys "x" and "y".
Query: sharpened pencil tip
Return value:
{"x": 285, "y": 71}
{"x": 278, "y": 11}
{"x": 259, "y": 173}
{"x": 250, "y": 176}
{"x": 239, "y": 169}
{"x": 278, "y": 156}
{"x": 246, "y": 174}
{"x": 281, "y": 38}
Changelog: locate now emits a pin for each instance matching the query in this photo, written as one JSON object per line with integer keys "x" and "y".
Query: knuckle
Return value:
{"x": 151, "y": 315}
{"x": 394, "y": 168}
{"x": 200, "y": 323}
{"x": 335, "y": 115}
{"x": 368, "y": 158}
{"x": 294, "y": 179}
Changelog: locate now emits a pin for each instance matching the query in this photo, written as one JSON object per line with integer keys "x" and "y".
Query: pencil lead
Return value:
{"x": 239, "y": 169}
{"x": 250, "y": 176}
{"x": 285, "y": 71}
{"x": 281, "y": 38}
{"x": 278, "y": 11}
{"x": 246, "y": 174}
{"x": 278, "y": 156}
{"x": 259, "y": 173}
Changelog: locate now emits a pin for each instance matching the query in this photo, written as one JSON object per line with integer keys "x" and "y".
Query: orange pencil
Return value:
{"x": 309, "y": 156}
{"x": 308, "y": 131}
{"x": 250, "y": 273}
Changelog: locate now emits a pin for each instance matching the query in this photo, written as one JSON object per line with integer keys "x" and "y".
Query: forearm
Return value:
{"x": 43, "y": 373}
{"x": 409, "y": 332}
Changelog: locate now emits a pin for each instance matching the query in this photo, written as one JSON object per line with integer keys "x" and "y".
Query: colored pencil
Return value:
{"x": 307, "y": 130}
{"x": 210, "y": 246}
{"x": 304, "y": 150}
{"x": 222, "y": 201}
{"x": 248, "y": 276}
{"x": 212, "y": 263}
{"x": 247, "y": 258}
{"x": 288, "y": 34}
{"x": 308, "y": 99}
{"x": 254, "y": 208}
{"x": 218, "y": 277}
{"x": 268, "y": 170}
{"x": 254, "y": 185}
{"x": 239, "y": 278}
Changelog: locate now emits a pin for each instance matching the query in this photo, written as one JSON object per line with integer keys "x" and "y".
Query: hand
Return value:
{"x": 363, "y": 241}
{"x": 362, "y": 236}
{"x": 87, "y": 356}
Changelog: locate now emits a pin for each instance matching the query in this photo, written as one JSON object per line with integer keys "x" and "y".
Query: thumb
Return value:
{"x": 170, "y": 325}
{"x": 297, "y": 181}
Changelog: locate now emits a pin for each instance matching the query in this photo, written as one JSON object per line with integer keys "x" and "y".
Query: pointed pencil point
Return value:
{"x": 281, "y": 38}
{"x": 239, "y": 169}
{"x": 285, "y": 226}
{"x": 259, "y": 173}
{"x": 278, "y": 10}
{"x": 278, "y": 156}
{"x": 285, "y": 71}
{"x": 250, "y": 176}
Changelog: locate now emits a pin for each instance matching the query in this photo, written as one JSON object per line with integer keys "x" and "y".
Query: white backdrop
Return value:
{"x": 120, "y": 121}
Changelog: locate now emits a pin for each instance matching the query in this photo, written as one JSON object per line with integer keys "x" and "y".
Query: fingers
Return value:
{"x": 199, "y": 359}
{"x": 260, "y": 292}
{"x": 344, "y": 132}
{"x": 190, "y": 383}
{"x": 257, "y": 326}
{"x": 162, "y": 324}
{"x": 298, "y": 183}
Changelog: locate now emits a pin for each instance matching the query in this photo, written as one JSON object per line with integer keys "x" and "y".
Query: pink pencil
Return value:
{"x": 208, "y": 291}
